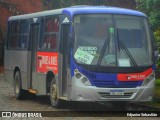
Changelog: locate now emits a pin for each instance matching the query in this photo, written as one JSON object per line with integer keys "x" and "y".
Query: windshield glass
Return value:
{"x": 134, "y": 42}
{"x": 100, "y": 41}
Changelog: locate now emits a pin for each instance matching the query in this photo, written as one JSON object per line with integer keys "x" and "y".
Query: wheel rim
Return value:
{"x": 17, "y": 86}
{"x": 53, "y": 92}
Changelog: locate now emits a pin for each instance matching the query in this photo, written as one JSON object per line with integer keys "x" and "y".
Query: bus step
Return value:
{"x": 33, "y": 91}
{"x": 63, "y": 98}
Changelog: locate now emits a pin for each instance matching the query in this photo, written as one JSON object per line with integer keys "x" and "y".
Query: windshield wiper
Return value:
{"x": 107, "y": 40}
{"x": 123, "y": 46}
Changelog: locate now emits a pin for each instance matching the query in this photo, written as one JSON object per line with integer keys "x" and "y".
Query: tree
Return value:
{"x": 152, "y": 9}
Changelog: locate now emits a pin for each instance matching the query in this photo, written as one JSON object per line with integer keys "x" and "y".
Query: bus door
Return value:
{"x": 65, "y": 60}
{"x": 34, "y": 36}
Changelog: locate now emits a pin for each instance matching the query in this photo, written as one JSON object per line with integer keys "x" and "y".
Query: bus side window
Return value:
{"x": 24, "y": 28}
{"x": 13, "y": 36}
{"x": 50, "y": 41}
{"x": 50, "y": 33}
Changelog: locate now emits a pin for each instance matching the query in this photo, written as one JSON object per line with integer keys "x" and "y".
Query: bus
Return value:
{"x": 81, "y": 53}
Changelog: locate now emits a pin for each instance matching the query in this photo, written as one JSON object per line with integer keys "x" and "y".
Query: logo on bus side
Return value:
{"x": 47, "y": 62}
{"x": 66, "y": 20}
{"x": 35, "y": 19}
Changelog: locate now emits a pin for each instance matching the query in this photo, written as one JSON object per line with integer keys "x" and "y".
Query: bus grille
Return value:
{"x": 115, "y": 84}
{"x": 107, "y": 95}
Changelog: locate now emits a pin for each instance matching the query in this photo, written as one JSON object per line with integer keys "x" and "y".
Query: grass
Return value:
{"x": 157, "y": 88}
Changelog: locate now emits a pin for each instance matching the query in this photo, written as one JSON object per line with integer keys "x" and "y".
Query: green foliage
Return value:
{"x": 157, "y": 88}
{"x": 157, "y": 35}
{"x": 152, "y": 9}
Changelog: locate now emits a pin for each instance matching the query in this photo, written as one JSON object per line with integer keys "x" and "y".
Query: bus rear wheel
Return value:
{"x": 19, "y": 92}
{"x": 55, "y": 101}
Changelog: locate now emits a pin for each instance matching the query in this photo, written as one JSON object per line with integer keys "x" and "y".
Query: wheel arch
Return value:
{"x": 49, "y": 76}
{"x": 21, "y": 93}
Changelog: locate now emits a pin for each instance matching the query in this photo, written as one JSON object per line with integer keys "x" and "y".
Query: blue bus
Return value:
{"x": 81, "y": 53}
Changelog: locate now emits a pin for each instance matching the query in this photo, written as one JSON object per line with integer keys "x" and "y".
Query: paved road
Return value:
{"x": 42, "y": 103}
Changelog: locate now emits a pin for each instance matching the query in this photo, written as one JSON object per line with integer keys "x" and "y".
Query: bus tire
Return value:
{"x": 19, "y": 92}
{"x": 55, "y": 101}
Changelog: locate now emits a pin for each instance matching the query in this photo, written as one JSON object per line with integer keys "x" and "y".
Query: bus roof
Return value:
{"x": 80, "y": 10}
{"x": 101, "y": 9}
{"x": 37, "y": 14}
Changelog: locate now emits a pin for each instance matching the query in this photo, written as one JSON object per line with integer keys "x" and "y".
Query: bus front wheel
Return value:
{"x": 55, "y": 101}
{"x": 19, "y": 92}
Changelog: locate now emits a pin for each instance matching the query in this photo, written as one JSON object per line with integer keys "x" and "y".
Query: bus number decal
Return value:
{"x": 47, "y": 62}
{"x": 134, "y": 76}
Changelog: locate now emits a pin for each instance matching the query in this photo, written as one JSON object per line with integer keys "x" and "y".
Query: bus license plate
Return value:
{"x": 117, "y": 92}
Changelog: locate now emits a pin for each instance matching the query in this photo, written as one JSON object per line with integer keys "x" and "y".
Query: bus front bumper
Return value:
{"x": 80, "y": 92}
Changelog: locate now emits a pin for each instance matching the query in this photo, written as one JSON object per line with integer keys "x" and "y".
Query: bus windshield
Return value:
{"x": 112, "y": 40}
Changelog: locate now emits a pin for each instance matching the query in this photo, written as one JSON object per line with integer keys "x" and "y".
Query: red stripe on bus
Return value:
{"x": 134, "y": 76}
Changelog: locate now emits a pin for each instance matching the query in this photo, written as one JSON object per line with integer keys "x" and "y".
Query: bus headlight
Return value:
{"x": 77, "y": 74}
{"x": 85, "y": 81}
{"x": 82, "y": 78}
{"x": 148, "y": 79}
